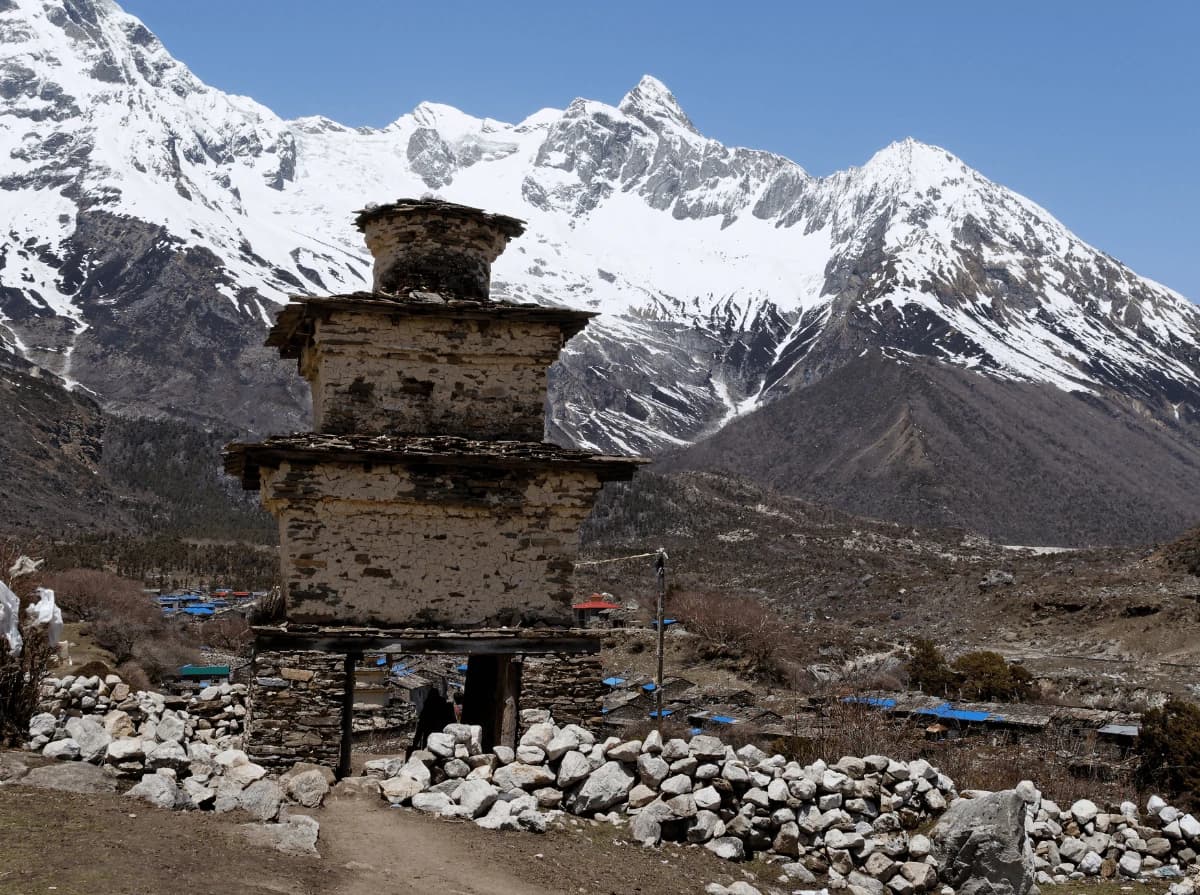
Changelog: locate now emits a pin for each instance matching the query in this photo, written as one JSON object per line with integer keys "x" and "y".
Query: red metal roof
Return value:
{"x": 596, "y": 604}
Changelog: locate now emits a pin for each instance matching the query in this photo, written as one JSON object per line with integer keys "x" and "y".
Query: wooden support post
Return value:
{"x": 660, "y": 568}
{"x": 348, "y": 665}
{"x": 509, "y": 698}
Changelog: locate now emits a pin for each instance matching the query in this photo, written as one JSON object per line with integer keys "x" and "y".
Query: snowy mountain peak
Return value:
{"x": 915, "y": 163}
{"x": 134, "y": 198}
{"x": 654, "y": 104}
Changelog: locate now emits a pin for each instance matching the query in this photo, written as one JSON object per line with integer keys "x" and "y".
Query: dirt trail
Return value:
{"x": 80, "y": 844}
{"x": 385, "y": 850}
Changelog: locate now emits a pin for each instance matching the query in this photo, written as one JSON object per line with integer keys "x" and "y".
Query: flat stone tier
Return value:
{"x": 434, "y": 245}
{"x": 433, "y": 532}
{"x": 295, "y": 326}
{"x": 245, "y": 460}
{"x": 426, "y": 365}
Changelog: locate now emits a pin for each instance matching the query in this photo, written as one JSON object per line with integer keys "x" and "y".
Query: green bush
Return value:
{"x": 986, "y": 677}
{"x": 1168, "y": 748}
{"x": 982, "y": 675}
{"x": 928, "y": 670}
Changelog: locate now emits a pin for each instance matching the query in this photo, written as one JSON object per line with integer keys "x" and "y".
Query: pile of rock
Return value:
{"x": 216, "y": 715}
{"x": 228, "y": 780}
{"x": 850, "y": 820}
{"x": 1118, "y": 841}
{"x": 135, "y": 732}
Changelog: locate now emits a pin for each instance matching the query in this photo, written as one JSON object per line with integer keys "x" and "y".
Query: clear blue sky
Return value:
{"x": 1092, "y": 109}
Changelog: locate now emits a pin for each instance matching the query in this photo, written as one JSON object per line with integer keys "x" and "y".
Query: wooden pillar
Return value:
{"x": 509, "y": 698}
{"x": 349, "y": 663}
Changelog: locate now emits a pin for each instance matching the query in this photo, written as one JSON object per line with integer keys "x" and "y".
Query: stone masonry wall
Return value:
{"x": 295, "y": 708}
{"x": 425, "y": 546}
{"x": 374, "y": 374}
{"x": 568, "y": 686}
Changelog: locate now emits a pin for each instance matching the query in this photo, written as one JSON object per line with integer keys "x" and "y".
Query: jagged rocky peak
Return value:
{"x": 724, "y": 276}
{"x": 654, "y": 104}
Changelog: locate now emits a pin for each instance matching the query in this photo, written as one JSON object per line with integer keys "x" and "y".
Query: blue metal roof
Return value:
{"x": 664, "y": 713}
{"x": 947, "y": 711}
{"x": 722, "y": 719}
{"x": 199, "y": 610}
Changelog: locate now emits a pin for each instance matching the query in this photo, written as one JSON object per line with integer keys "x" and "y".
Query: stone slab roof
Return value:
{"x": 244, "y": 460}
{"x": 293, "y": 327}
{"x": 509, "y": 226}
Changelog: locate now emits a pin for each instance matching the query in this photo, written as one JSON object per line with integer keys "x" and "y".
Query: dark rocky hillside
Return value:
{"x": 51, "y": 446}
{"x": 928, "y": 444}
{"x": 67, "y": 468}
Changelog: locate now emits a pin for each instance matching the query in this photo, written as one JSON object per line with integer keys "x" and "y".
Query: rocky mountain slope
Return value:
{"x": 925, "y": 443}
{"x": 152, "y": 224}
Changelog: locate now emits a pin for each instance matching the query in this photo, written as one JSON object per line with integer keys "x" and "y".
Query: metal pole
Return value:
{"x": 660, "y": 566}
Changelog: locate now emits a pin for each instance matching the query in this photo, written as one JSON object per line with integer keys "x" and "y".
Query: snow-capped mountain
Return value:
{"x": 152, "y": 224}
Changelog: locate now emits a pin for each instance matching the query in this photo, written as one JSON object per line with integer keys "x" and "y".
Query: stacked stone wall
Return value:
{"x": 295, "y": 708}
{"x": 568, "y": 686}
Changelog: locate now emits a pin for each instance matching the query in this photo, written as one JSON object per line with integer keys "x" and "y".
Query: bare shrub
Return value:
{"x": 162, "y": 656}
{"x": 123, "y": 620}
{"x": 850, "y": 728}
{"x": 671, "y": 728}
{"x": 229, "y": 634}
{"x": 738, "y": 628}
{"x": 20, "y": 678}
{"x": 87, "y": 594}
{"x": 133, "y": 674}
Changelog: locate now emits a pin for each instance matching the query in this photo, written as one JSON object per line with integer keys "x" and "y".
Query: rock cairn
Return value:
{"x": 183, "y": 753}
{"x": 854, "y": 823}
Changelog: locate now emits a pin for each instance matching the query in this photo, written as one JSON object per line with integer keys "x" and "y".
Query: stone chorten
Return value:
{"x": 424, "y": 513}
{"x": 425, "y": 496}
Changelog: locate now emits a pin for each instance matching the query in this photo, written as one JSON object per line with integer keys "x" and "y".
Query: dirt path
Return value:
{"x": 384, "y": 850}
{"x": 399, "y": 851}
{"x": 76, "y": 844}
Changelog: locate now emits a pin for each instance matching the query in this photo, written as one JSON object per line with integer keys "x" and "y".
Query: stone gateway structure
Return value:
{"x": 424, "y": 513}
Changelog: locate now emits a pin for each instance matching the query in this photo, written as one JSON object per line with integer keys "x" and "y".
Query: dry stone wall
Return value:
{"x": 428, "y": 545}
{"x": 295, "y": 708}
{"x": 452, "y": 374}
{"x": 568, "y": 686}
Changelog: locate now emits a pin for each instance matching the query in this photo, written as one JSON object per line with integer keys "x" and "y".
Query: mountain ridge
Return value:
{"x": 154, "y": 224}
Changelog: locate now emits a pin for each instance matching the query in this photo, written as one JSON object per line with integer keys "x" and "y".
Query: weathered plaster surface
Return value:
{"x": 478, "y": 378}
{"x": 458, "y": 547}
